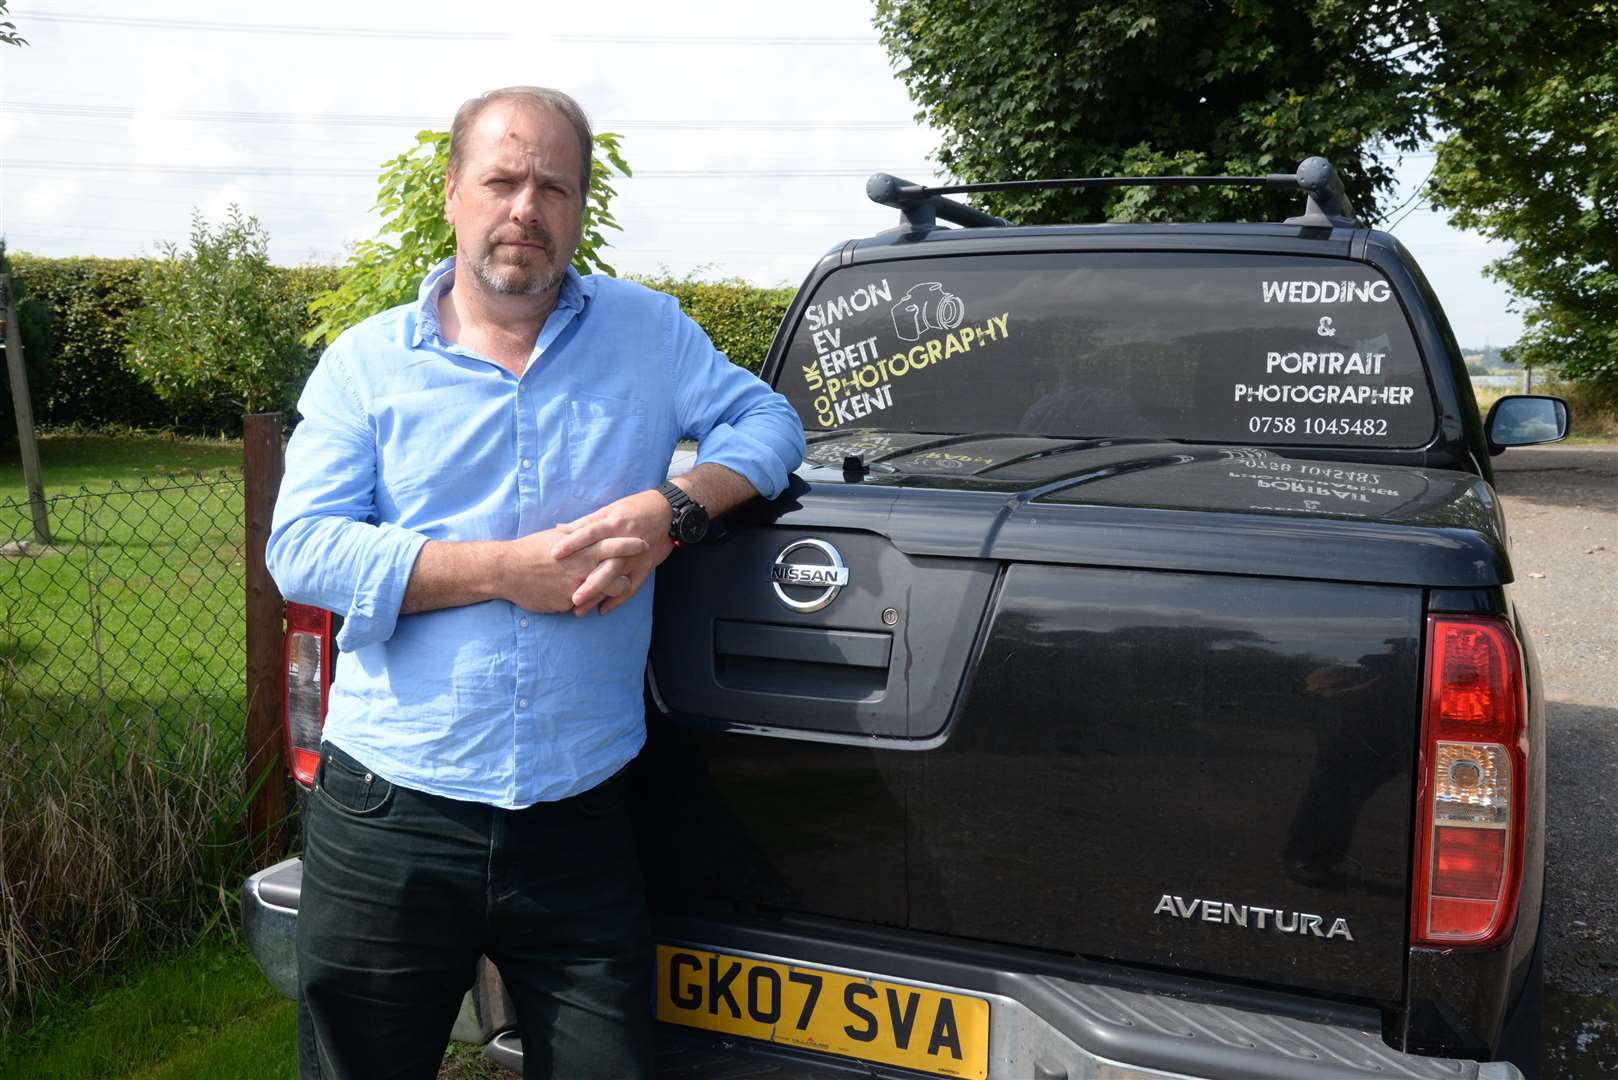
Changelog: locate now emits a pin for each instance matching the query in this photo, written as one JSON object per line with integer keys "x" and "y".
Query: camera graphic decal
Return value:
{"x": 850, "y": 366}
{"x": 927, "y": 306}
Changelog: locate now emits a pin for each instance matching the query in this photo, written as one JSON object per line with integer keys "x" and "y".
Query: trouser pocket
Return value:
{"x": 348, "y": 786}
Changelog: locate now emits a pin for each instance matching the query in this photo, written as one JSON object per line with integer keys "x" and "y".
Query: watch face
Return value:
{"x": 693, "y": 525}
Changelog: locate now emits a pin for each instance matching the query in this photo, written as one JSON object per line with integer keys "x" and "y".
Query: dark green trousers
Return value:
{"x": 402, "y": 891}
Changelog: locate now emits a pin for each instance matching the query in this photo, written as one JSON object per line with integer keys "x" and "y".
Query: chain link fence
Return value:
{"x": 128, "y": 628}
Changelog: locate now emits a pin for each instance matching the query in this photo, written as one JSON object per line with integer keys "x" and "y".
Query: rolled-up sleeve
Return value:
{"x": 327, "y": 547}
{"x": 737, "y": 420}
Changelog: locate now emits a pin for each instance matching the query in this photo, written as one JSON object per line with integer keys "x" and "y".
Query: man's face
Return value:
{"x": 516, "y": 206}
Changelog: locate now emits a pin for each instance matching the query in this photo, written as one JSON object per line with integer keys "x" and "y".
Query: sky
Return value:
{"x": 750, "y": 127}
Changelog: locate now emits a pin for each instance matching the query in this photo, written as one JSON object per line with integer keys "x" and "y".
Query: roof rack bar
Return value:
{"x": 1283, "y": 181}
{"x": 920, "y": 206}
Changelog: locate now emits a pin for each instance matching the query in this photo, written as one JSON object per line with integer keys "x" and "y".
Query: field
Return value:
{"x": 121, "y": 816}
{"x": 95, "y": 461}
{"x": 121, "y": 709}
{"x": 197, "y": 1015}
{"x": 202, "y": 1013}
{"x": 133, "y": 615}
{"x": 1595, "y": 418}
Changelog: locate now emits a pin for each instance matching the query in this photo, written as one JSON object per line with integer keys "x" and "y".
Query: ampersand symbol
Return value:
{"x": 1326, "y": 329}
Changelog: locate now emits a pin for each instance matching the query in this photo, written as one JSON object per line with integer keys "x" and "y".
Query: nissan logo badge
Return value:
{"x": 808, "y": 586}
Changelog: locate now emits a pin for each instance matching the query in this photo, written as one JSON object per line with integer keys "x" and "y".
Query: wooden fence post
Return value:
{"x": 266, "y": 760}
{"x": 24, "y": 407}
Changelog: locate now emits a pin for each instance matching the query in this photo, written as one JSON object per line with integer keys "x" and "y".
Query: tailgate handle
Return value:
{"x": 802, "y": 644}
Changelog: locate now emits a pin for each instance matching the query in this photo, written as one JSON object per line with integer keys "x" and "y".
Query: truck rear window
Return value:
{"x": 1202, "y": 348}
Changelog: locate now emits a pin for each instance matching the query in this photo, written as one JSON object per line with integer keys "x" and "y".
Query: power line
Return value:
{"x": 318, "y": 197}
{"x": 292, "y": 158}
{"x": 759, "y": 125}
{"x": 1414, "y": 195}
{"x": 288, "y": 155}
{"x": 158, "y": 233}
{"x": 273, "y": 187}
{"x": 326, "y": 201}
{"x": 751, "y": 174}
{"x": 693, "y": 254}
{"x": 44, "y": 165}
{"x": 1453, "y": 249}
{"x": 640, "y": 223}
{"x": 708, "y": 39}
{"x": 434, "y": 34}
{"x": 319, "y": 202}
{"x": 1407, "y": 213}
{"x": 677, "y": 209}
{"x": 229, "y": 116}
{"x": 150, "y": 168}
{"x": 710, "y": 222}
{"x": 250, "y": 138}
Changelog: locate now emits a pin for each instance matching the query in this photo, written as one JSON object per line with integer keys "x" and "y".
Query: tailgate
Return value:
{"x": 1194, "y": 771}
{"x": 1203, "y": 772}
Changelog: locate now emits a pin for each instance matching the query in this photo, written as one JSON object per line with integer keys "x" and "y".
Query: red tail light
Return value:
{"x": 1472, "y": 780}
{"x": 307, "y": 653}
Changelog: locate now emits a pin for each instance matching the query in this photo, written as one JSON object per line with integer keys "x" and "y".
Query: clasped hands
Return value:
{"x": 605, "y": 556}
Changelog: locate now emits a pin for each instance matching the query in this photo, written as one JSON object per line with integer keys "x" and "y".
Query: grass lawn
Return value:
{"x": 93, "y": 461}
{"x": 201, "y": 1015}
{"x": 136, "y": 612}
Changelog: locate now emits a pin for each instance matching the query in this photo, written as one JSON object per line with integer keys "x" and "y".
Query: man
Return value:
{"x": 475, "y": 488}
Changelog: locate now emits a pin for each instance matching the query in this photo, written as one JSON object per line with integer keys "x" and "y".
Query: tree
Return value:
{"x": 1148, "y": 87}
{"x": 33, "y": 330}
{"x": 414, "y": 237}
{"x": 8, "y": 29}
{"x": 216, "y": 326}
{"x": 1533, "y": 160}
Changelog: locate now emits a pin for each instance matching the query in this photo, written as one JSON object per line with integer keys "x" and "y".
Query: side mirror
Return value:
{"x": 1526, "y": 419}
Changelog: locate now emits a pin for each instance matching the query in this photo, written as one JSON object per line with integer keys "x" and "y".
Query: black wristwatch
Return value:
{"x": 690, "y": 524}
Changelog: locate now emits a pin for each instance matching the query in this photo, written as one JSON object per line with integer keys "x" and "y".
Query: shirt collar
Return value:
{"x": 574, "y": 294}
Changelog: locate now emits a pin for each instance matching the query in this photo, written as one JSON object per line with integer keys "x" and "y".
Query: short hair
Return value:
{"x": 535, "y": 97}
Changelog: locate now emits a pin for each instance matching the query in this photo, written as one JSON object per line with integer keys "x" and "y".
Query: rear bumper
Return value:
{"x": 270, "y": 919}
{"x": 1043, "y": 1026}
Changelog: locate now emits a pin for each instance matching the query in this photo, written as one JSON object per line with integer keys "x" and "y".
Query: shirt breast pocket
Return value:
{"x": 606, "y": 447}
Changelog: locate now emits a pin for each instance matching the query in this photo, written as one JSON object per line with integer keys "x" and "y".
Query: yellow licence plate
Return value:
{"x": 851, "y": 1015}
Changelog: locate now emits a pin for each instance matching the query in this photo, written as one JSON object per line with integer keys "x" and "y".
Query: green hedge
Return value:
{"x": 31, "y": 317}
{"x": 740, "y": 318}
{"x": 82, "y": 378}
{"x": 82, "y": 381}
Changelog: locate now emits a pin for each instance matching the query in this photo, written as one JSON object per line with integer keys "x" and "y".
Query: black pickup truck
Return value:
{"x": 1128, "y": 685}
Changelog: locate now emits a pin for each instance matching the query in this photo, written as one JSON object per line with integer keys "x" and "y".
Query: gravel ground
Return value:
{"x": 1562, "y": 509}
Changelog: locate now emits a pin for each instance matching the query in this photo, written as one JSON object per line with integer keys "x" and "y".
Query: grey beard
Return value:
{"x": 529, "y": 284}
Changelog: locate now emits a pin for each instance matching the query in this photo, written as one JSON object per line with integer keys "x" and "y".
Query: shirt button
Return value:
{"x": 528, "y": 463}
{"x": 522, "y": 703}
{"x": 523, "y": 623}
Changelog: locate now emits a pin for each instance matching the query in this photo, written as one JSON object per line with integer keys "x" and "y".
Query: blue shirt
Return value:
{"x": 407, "y": 438}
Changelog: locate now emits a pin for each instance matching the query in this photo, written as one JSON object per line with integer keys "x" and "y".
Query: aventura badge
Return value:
{"x": 810, "y": 585}
{"x": 1251, "y": 917}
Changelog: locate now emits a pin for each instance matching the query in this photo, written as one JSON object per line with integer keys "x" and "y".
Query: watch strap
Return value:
{"x": 676, "y": 496}
{"x": 684, "y": 507}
